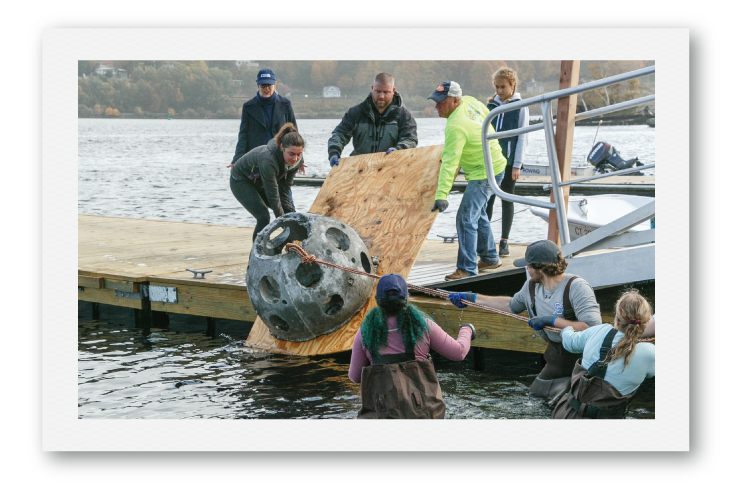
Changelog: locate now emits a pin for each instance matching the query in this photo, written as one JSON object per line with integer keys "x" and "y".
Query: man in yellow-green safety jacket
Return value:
{"x": 463, "y": 148}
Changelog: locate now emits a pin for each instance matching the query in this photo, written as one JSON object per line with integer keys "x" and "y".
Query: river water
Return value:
{"x": 176, "y": 170}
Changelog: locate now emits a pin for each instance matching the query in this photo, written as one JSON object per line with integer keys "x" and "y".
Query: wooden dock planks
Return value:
{"x": 387, "y": 200}
{"x": 117, "y": 254}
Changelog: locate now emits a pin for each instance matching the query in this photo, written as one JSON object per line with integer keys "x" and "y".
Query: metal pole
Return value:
{"x": 489, "y": 167}
{"x": 549, "y": 136}
{"x": 580, "y": 116}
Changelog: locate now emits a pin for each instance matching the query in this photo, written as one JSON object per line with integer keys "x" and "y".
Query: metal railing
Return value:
{"x": 549, "y": 135}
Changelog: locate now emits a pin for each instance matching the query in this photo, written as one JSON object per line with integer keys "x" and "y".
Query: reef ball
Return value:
{"x": 297, "y": 301}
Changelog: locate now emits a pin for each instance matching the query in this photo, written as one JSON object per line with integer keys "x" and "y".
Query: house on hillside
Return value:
{"x": 246, "y": 63}
{"x": 534, "y": 87}
{"x": 331, "y": 92}
{"x": 104, "y": 67}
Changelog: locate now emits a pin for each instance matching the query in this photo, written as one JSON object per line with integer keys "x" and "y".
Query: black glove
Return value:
{"x": 334, "y": 160}
{"x": 473, "y": 330}
{"x": 440, "y": 205}
{"x": 540, "y": 322}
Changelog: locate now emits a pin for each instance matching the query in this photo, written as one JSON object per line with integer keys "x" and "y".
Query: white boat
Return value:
{"x": 575, "y": 171}
{"x": 586, "y": 213}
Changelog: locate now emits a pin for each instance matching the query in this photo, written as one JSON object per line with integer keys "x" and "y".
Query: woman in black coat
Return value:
{"x": 263, "y": 178}
{"x": 263, "y": 116}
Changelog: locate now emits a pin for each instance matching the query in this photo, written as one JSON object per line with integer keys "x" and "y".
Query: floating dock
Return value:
{"x": 141, "y": 264}
{"x": 533, "y": 185}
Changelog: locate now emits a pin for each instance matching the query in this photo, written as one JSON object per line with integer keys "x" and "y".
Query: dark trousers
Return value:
{"x": 254, "y": 200}
{"x": 509, "y": 186}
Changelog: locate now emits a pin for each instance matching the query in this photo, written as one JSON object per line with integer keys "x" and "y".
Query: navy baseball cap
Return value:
{"x": 539, "y": 252}
{"x": 445, "y": 90}
{"x": 392, "y": 282}
{"x": 266, "y": 76}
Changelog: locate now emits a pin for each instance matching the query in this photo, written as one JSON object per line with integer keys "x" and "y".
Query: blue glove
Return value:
{"x": 440, "y": 205}
{"x": 456, "y": 298}
{"x": 390, "y": 150}
{"x": 540, "y": 322}
{"x": 334, "y": 160}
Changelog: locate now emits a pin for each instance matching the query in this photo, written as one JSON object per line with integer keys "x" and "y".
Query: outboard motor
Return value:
{"x": 607, "y": 159}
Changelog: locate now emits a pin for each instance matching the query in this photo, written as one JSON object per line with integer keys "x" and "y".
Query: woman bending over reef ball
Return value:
{"x": 616, "y": 363}
{"x": 263, "y": 177}
{"x": 391, "y": 356}
{"x": 514, "y": 148}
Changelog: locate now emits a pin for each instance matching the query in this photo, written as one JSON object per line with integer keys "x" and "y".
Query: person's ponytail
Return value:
{"x": 288, "y": 136}
{"x": 632, "y": 314}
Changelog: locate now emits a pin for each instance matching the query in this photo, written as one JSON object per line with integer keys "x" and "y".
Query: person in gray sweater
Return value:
{"x": 263, "y": 177}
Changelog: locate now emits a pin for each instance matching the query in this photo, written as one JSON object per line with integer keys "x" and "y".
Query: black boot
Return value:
{"x": 502, "y": 248}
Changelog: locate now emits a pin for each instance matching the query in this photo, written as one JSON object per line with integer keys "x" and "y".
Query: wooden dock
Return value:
{"x": 119, "y": 258}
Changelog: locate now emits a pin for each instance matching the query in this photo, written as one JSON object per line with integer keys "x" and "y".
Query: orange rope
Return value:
{"x": 308, "y": 258}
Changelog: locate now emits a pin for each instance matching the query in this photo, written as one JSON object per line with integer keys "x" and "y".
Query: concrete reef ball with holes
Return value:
{"x": 298, "y": 301}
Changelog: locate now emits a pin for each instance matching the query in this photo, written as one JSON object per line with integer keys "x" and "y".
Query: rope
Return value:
{"x": 308, "y": 258}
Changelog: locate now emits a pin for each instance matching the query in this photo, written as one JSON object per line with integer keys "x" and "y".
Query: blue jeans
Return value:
{"x": 473, "y": 227}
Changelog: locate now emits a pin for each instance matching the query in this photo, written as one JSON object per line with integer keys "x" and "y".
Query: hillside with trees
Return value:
{"x": 217, "y": 89}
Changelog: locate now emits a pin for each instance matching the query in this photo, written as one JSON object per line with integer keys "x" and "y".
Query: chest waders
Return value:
{"x": 400, "y": 386}
{"x": 554, "y": 379}
{"x": 590, "y": 395}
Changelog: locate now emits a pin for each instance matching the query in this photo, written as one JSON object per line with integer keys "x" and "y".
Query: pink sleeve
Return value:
{"x": 444, "y": 344}
{"x": 359, "y": 359}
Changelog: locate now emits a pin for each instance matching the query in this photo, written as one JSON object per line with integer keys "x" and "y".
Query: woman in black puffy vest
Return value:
{"x": 505, "y": 81}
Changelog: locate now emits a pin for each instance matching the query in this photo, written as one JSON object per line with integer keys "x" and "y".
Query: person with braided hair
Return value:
{"x": 391, "y": 356}
{"x": 616, "y": 362}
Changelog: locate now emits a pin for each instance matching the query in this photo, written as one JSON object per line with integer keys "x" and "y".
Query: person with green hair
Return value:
{"x": 391, "y": 356}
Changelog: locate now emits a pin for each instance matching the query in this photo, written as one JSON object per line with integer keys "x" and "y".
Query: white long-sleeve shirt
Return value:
{"x": 625, "y": 379}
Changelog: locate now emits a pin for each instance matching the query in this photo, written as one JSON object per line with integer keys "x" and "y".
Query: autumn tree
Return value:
{"x": 346, "y": 83}
{"x": 328, "y": 72}
{"x": 316, "y": 75}
{"x": 480, "y": 79}
{"x": 86, "y": 67}
{"x": 526, "y": 70}
{"x": 366, "y": 75}
{"x": 611, "y": 94}
{"x": 283, "y": 88}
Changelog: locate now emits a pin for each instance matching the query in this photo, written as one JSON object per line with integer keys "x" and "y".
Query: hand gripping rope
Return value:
{"x": 308, "y": 258}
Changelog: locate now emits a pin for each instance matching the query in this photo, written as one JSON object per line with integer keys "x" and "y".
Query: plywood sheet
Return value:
{"x": 387, "y": 200}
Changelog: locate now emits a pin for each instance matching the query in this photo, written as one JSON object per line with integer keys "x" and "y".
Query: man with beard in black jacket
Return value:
{"x": 379, "y": 124}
